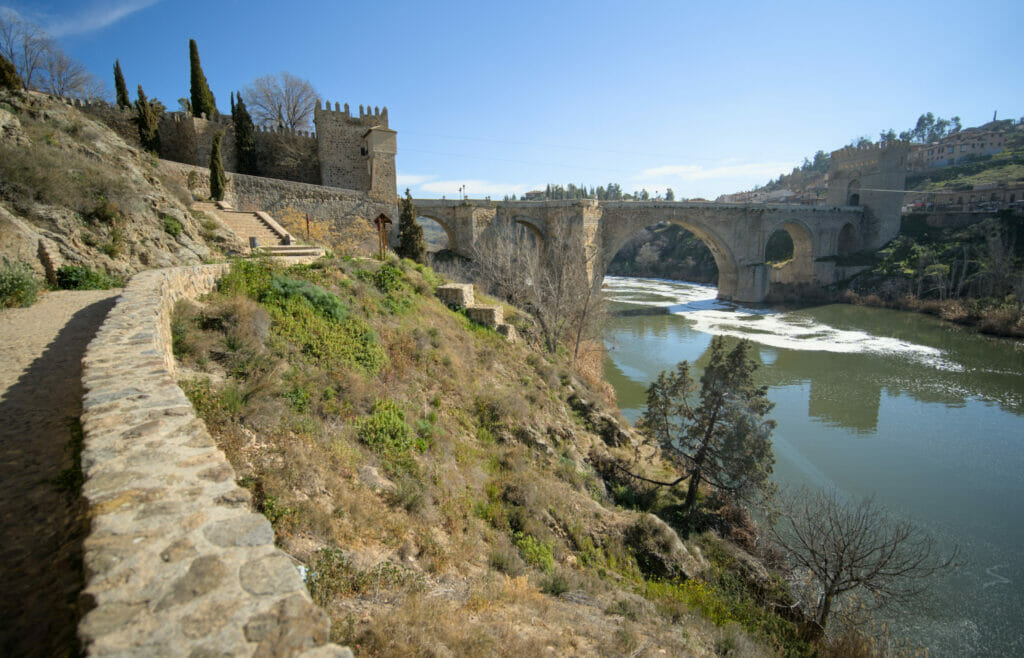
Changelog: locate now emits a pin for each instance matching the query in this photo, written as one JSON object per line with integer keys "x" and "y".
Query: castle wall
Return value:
{"x": 348, "y": 151}
{"x": 340, "y": 207}
{"x": 176, "y": 562}
{"x": 288, "y": 156}
{"x": 342, "y": 147}
{"x": 877, "y": 174}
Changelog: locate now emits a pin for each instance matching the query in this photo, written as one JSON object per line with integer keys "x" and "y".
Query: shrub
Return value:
{"x": 385, "y": 429}
{"x": 106, "y": 212}
{"x": 389, "y": 278}
{"x": 18, "y": 287}
{"x": 327, "y": 304}
{"x": 333, "y": 345}
{"x": 535, "y": 552}
{"x": 82, "y": 277}
{"x": 172, "y": 226}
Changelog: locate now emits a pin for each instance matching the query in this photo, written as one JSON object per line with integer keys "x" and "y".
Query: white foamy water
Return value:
{"x": 793, "y": 331}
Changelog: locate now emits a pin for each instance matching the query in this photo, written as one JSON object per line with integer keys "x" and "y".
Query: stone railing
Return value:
{"x": 176, "y": 562}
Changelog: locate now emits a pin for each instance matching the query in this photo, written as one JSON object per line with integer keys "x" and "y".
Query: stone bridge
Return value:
{"x": 865, "y": 190}
{"x": 736, "y": 234}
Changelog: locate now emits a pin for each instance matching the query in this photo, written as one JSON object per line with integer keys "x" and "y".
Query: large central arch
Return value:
{"x": 728, "y": 280}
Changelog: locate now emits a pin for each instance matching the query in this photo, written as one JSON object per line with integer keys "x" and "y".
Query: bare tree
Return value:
{"x": 858, "y": 546}
{"x": 550, "y": 280}
{"x": 282, "y": 100}
{"x": 69, "y": 79}
{"x": 25, "y": 45}
{"x": 40, "y": 62}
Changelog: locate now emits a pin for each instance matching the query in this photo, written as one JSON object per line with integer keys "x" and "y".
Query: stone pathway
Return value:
{"x": 41, "y": 527}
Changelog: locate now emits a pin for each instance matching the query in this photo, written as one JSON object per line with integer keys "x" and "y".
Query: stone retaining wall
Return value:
{"x": 339, "y": 206}
{"x": 176, "y": 562}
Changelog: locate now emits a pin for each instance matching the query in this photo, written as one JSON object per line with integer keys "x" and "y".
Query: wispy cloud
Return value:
{"x": 706, "y": 181}
{"x": 699, "y": 172}
{"x": 473, "y": 187}
{"x": 94, "y": 16}
{"x": 412, "y": 180}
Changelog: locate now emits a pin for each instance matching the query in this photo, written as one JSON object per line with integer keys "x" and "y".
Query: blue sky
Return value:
{"x": 702, "y": 97}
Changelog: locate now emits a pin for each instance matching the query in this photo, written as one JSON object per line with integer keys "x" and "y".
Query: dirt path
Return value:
{"x": 41, "y": 525}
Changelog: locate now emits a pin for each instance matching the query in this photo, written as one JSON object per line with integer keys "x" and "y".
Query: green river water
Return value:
{"x": 926, "y": 416}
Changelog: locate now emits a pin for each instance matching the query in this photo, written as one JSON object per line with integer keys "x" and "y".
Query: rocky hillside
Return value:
{"x": 446, "y": 491}
{"x": 69, "y": 182}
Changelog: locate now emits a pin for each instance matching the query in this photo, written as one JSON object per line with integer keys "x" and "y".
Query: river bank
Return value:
{"x": 985, "y": 317}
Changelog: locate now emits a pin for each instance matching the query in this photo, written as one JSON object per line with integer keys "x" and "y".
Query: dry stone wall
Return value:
{"x": 176, "y": 562}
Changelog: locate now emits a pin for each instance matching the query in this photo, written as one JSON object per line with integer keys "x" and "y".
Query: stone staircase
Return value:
{"x": 271, "y": 238}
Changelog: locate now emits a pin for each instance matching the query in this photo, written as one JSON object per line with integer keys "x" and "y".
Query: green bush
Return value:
{"x": 18, "y": 287}
{"x": 535, "y": 552}
{"x": 172, "y": 226}
{"x": 385, "y": 429}
{"x": 326, "y": 303}
{"x": 82, "y": 277}
{"x": 389, "y": 278}
{"x": 249, "y": 278}
{"x": 333, "y": 345}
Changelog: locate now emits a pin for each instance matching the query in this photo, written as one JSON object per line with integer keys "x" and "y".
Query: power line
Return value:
{"x": 555, "y": 146}
{"x": 526, "y": 162}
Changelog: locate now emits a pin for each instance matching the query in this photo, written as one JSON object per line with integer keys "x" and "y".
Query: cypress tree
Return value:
{"x": 202, "y": 97}
{"x": 8, "y": 75}
{"x": 148, "y": 122}
{"x": 245, "y": 137}
{"x": 410, "y": 234}
{"x": 123, "y": 100}
{"x": 218, "y": 180}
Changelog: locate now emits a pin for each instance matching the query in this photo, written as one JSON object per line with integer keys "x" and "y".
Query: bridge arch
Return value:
{"x": 800, "y": 267}
{"x": 725, "y": 260}
{"x": 530, "y": 225}
{"x": 443, "y": 223}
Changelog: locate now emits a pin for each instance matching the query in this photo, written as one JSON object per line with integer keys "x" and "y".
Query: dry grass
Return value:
{"x": 469, "y": 521}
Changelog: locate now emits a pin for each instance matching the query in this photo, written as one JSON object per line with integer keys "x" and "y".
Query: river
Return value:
{"x": 926, "y": 416}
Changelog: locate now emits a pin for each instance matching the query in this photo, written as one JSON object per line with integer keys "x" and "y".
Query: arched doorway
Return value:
{"x": 853, "y": 193}
{"x": 849, "y": 241}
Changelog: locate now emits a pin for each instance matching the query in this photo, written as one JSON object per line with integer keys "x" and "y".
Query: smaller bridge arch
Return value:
{"x": 443, "y": 223}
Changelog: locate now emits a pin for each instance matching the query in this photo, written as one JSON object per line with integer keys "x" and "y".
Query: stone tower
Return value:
{"x": 872, "y": 176}
{"x": 356, "y": 152}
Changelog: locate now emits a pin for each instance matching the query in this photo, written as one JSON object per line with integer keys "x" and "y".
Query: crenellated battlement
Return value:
{"x": 875, "y": 154}
{"x": 368, "y": 117}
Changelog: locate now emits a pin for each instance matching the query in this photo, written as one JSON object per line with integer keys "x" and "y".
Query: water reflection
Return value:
{"x": 928, "y": 417}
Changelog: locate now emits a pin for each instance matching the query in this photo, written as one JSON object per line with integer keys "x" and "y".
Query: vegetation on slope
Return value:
{"x": 972, "y": 275}
{"x": 101, "y": 205}
{"x": 437, "y": 483}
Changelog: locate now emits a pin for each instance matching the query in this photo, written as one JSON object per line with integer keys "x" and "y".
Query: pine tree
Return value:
{"x": 148, "y": 123}
{"x": 123, "y": 100}
{"x": 8, "y": 75}
{"x": 218, "y": 180}
{"x": 202, "y": 97}
{"x": 410, "y": 234}
{"x": 245, "y": 137}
